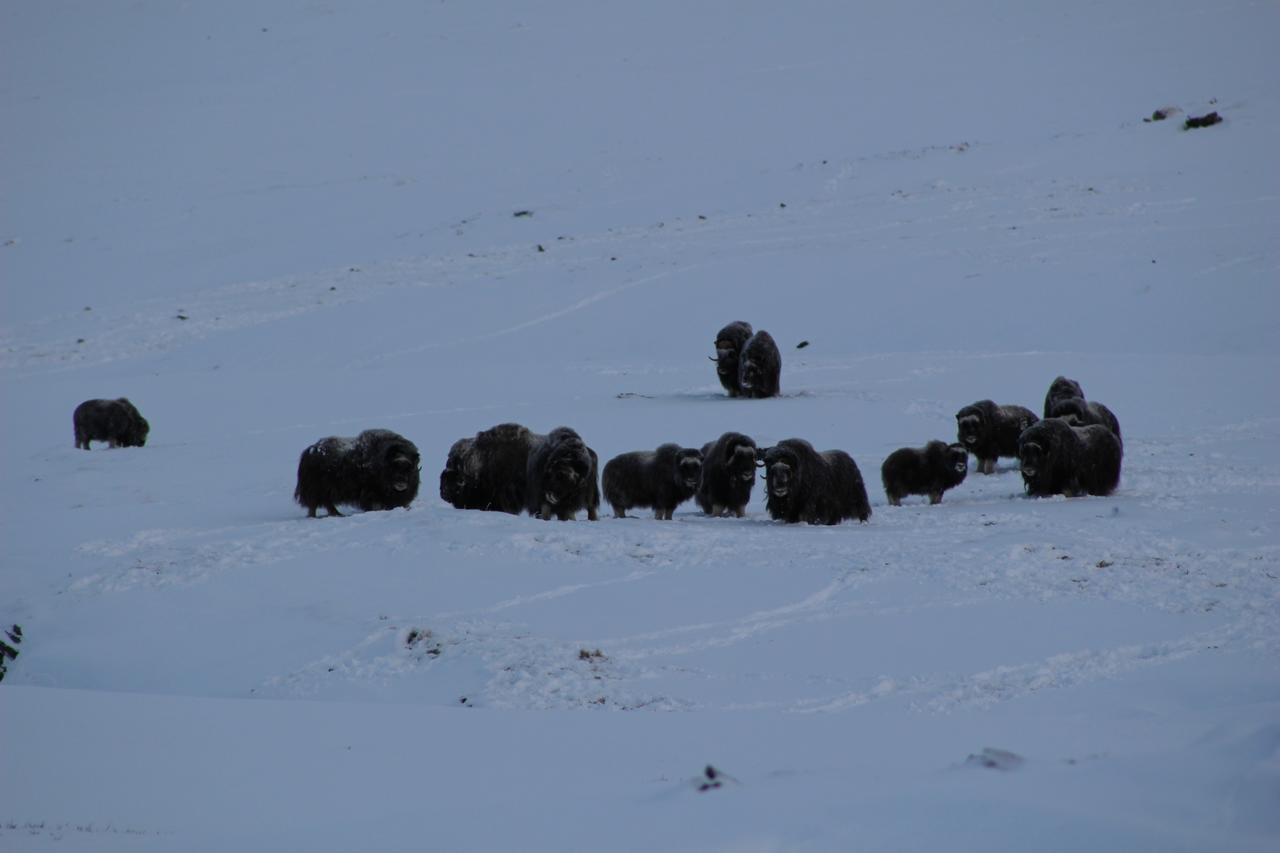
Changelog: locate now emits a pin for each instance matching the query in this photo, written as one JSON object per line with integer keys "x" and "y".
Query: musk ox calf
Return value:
{"x": 818, "y": 488}
{"x": 929, "y": 470}
{"x": 1078, "y": 411}
{"x": 728, "y": 474}
{"x": 990, "y": 431}
{"x": 729, "y": 343}
{"x": 488, "y": 471}
{"x": 117, "y": 422}
{"x": 1057, "y": 458}
{"x": 1061, "y": 388}
{"x": 378, "y": 469}
{"x": 759, "y": 367}
{"x": 662, "y": 479}
{"x": 562, "y": 477}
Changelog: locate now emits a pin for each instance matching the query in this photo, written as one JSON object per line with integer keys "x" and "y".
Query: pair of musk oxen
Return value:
{"x": 510, "y": 469}
{"x": 747, "y": 362}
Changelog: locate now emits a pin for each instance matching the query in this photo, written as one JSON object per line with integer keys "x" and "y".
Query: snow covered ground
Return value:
{"x": 270, "y": 222}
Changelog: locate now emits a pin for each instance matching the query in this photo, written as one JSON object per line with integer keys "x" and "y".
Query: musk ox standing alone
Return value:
{"x": 488, "y": 471}
{"x": 929, "y": 470}
{"x": 662, "y": 479}
{"x": 729, "y": 343}
{"x": 378, "y": 469}
{"x": 1059, "y": 459}
{"x": 990, "y": 431}
{"x": 117, "y": 422}
{"x": 728, "y": 474}
{"x": 1061, "y": 388}
{"x": 1078, "y": 411}
{"x": 562, "y": 477}
{"x": 818, "y": 488}
{"x": 759, "y": 367}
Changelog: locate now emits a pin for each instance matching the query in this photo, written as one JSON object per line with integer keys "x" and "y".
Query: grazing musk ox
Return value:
{"x": 1078, "y": 411}
{"x": 1057, "y": 458}
{"x": 1061, "y": 388}
{"x": 378, "y": 469}
{"x": 562, "y": 477}
{"x": 930, "y": 470}
{"x": 662, "y": 479}
{"x": 759, "y": 367}
{"x": 990, "y": 431}
{"x": 818, "y": 488}
{"x": 488, "y": 471}
{"x": 117, "y": 422}
{"x": 729, "y": 343}
{"x": 728, "y": 474}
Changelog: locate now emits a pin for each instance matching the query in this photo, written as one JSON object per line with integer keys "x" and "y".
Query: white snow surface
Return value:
{"x": 270, "y": 222}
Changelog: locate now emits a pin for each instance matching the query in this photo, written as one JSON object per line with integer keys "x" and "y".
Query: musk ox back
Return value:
{"x": 1078, "y": 411}
{"x": 488, "y": 471}
{"x": 728, "y": 474}
{"x": 378, "y": 469}
{"x": 1057, "y": 458}
{"x": 663, "y": 479}
{"x": 562, "y": 477}
{"x": 930, "y": 470}
{"x": 117, "y": 422}
{"x": 990, "y": 431}
{"x": 729, "y": 343}
{"x": 1061, "y": 388}
{"x": 759, "y": 367}
{"x": 818, "y": 488}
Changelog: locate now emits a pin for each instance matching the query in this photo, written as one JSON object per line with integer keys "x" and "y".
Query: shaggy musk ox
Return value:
{"x": 728, "y": 473}
{"x": 729, "y": 343}
{"x": 759, "y": 366}
{"x": 1059, "y": 459}
{"x": 561, "y": 477}
{"x": 378, "y": 469}
{"x": 819, "y": 488}
{"x": 1061, "y": 388}
{"x": 929, "y": 470}
{"x": 117, "y": 422}
{"x": 1078, "y": 411}
{"x": 662, "y": 479}
{"x": 990, "y": 431}
{"x": 488, "y": 471}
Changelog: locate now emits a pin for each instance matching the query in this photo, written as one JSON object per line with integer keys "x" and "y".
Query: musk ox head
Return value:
{"x": 1042, "y": 453}
{"x": 729, "y": 342}
{"x": 453, "y": 479}
{"x": 740, "y": 461}
{"x": 973, "y": 422}
{"x": 957, "y": 458}
{"x": 688, "y": 468}
{"x": 782, "y": 471}
{"x": 135, "y": 434}
{"x": 400, "y": 468}
{"x": 567, "y": 471}
{"x": 1061, "y": 388}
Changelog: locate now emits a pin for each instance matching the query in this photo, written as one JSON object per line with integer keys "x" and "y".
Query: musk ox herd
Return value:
{"x": 1075, "y": 449}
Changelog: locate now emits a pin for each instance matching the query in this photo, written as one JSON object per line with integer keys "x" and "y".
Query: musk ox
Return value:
{"x": 562, "y": 477}
{"x": 488, "y": 471}
{"x": 818, "y": 488}
{"x": 1057, "y": 458}
{"x": 378, "y": 469}
{"x": 663, "y": 479}
{"x": 117, "y": 422}
{"x": 990, "y": 431}
{"x": 1061, "y": 388}
{"x": 759, "y": 366}
{"x": 729, "y": 343}
{"x": 728, "y": 474}
{"x": 1078, "y": 411}
{"x": 929, "y": 470}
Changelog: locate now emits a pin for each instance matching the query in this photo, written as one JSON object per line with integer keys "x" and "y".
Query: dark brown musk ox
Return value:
{"x": 930, "y": 470}
{"x": 728, "y": 475}
{"x": 759, "y": 367}
{"x": 488, "y": 470}
{"x": 818, "y": 488}
{"x": 378, "y": 469}
{"x": 1057, "y": 458}
{"x": 562, "y": 477}
{"x": 1078, "y": 411}
{"x": 729, "y": 343}
{"x": 1061, "y": 388}
{"x": 990, "y": 431}
{"x": 662, "y": 479}
{"x": 117, "y": 422}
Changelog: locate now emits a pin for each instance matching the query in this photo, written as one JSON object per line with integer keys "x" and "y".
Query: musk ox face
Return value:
{"x": 402, "y": 470}
{"x": 740, "y": 461}
{"x": 782, "y": 471}
{"x": 564, "y": 479}
{"x": 453, "y": 479}
{"x": 689, "y": 469}
{"x": 760, "y": 366}
{"x": 1032, "y": 459}
{"x": 969, "y": 428}
{"x": 958, "y": 458}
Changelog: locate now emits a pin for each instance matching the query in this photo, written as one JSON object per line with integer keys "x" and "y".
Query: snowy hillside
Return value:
{"x": 266, "y": 223}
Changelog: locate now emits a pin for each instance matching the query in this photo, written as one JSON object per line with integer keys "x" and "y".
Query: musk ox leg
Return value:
{"x": 935, "y": 498}
{"x": 332, "y": 510}
{"x": 895, "y": 500}
{"x": 547, "y": 512}
{"x": 619, "y": 512}
{"x": 740, "y": 511}
{"x": 592, "y": 514}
